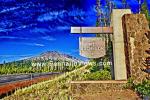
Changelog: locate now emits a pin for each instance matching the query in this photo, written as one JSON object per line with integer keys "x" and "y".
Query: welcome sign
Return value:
{"x": 93, "y": 47}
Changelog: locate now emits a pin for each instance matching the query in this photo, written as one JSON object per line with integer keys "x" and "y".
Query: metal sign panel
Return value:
{"x": 92, "y": 47}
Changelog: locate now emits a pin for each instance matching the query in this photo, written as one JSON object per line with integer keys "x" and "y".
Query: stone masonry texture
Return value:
{"x": 92, "y": 87}
{"x": 136, "y": 43}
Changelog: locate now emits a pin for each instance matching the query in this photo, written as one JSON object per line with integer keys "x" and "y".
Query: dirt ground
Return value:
{"x": 111, "y": 95}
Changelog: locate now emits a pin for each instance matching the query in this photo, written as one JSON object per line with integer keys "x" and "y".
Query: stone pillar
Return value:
{"x": 118, "y": 44}
{"x": 136, "y": 43}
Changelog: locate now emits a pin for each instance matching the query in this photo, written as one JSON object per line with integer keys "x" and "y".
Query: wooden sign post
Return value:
{"x": 91, "y": 30}
{"x": 92, "y": 47}
{"x": 118, "y": 41}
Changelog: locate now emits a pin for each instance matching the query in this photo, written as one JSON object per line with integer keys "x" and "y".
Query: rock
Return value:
{"x": 136, "y": 43}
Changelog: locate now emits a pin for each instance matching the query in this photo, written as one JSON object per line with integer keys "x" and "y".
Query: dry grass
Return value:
{"x": 56, "y": 89}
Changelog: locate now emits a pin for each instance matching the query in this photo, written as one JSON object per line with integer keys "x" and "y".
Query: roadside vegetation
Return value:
{"x": 56, "y": 89}
{"x": 29, "y": 66}
{"x": 59, "y": 88}
{"x": 96, "y": 73}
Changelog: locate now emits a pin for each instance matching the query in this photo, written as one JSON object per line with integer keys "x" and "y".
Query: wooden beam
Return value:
{"x": 96, "y": 30}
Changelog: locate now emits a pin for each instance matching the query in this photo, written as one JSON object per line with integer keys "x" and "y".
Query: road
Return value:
{"x": 4, "y": 79}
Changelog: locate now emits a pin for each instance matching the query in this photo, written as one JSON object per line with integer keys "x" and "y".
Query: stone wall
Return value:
{"x": 135, "y": 26}
{"x": 92, "y": 87}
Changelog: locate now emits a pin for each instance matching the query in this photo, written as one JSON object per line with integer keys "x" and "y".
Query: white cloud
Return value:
{"x": 11, "y": 56}
{"x": 39, "y": 30}
{"x": 48, "y": 38}
{"x": 34, "y": 44}
{"x": 53, "y": 15}
{"x": 40, "y": 45}
{"x": 9, "y": 9}
{"x": 3, "y": 30}
{"x": 12, "y": 37}
{"x": 50, "y": 16}
{"x": 63, "y": 27}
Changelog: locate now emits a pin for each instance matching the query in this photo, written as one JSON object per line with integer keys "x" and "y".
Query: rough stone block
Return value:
{"x": 135, "y": 26}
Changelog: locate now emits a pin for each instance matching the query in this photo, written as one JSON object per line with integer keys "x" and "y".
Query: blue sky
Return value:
{"x": 31, "y": 27}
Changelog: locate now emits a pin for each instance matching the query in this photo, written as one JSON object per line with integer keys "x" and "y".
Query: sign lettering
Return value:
{"x": 92, "y": 47}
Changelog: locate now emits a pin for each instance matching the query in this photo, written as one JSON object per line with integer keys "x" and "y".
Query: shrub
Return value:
{"x": 99, "y": 75}
{"x": 129, "y": 84}
{"x": 143, "y": 88}
{"x": 94, "y": 69}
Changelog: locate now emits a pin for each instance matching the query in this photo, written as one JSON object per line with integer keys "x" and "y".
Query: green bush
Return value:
{"x": 130, "y": 83}
{"x": 143, "y": 88}
{"x": 94, "y": 69}
{"x": 99, "y": 75}
{"x": 96, "y": 74}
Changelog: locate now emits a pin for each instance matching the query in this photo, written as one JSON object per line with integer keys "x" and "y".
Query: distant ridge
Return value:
{"x": 55, "y": 55}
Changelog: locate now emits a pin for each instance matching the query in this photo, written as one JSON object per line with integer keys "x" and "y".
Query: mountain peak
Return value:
{"x": 50, "y": 52}
{"x": 56, "y": 55}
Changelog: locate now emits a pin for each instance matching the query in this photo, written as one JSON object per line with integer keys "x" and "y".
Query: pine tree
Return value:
{"x": 144, "y": 10}
{"x": 104, "y": 20}
{"x": 124, "y": 4}
{"x": 4, "y": 64}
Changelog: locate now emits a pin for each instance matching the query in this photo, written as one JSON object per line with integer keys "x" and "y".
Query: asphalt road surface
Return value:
{"x": 4, "y": 79}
